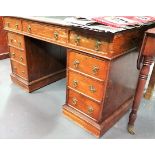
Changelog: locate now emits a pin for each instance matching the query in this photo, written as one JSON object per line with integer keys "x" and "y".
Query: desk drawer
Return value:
{"x": 82, "y": 40}
{"x": 19, "y": 69}
{"x": 84, "y": 104}
{"x": 87, "y": 64}
{"x": 86, "y": 85}
{"x": 42, "y": 30}
{"x": 18, "y": 55}
{"x": 12, "y": 23}
{"x": 16, "y": 40}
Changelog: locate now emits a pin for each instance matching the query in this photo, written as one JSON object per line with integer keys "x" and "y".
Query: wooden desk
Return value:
{"x": 146, "y": 58}
{"x": 101, "y": 67}
{"x": 4, "y": 53}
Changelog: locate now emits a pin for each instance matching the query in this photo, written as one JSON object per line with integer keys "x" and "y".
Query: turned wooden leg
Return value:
{"x": 139, "y": 92}
{"x": 149, "y": 92}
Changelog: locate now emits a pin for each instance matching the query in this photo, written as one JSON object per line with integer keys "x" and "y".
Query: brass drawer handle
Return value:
{"x": 77, "y": 39}
{"x": 13, "y": 54}
{"x": 56, "y": 35}
{"x": 74, "y": 101}
{"x": 13, "y": 40}
{"x": 16, "y": 26}
{"x": 23, "y": 72}
{"x": 92, "y": 89}
{"x": 90, "y": 109}
{"x": 29, "y": 28}
{"x": 75, "y": 83}
{"x": 21, "y": 59}
{"x": 95, "y": 69}
{"x": 76, "y": 64}
{"x": 97, "y": 45}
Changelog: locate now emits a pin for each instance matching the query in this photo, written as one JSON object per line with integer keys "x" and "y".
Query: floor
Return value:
{"x": 39, "y": 114}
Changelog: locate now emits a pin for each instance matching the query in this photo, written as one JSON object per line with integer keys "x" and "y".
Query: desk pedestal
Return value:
{"x": 97, "y": 129}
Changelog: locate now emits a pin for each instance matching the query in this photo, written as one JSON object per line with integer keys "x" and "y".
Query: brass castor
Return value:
{"x": 131, "y": 129}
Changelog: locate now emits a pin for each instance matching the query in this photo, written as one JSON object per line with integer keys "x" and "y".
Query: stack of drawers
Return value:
{"x": 17, "y": 55}
{"x": 86, "y": 83}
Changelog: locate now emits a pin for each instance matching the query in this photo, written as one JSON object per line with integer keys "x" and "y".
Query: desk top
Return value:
{"x": 83, "y": 23}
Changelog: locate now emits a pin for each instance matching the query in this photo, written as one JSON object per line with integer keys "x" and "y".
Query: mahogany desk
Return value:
{"x": 100, "y": 68}
{"x": 4, "y": 53}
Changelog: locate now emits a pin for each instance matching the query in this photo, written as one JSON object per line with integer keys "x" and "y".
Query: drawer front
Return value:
{"x": 87, "y": 64}
{"x": 51, "y": 32}
{"x": 86, "y": 85}
{"x": 18, "y": 55}
{"x": 16, "y": 40}
{"x": 95, "y": 44}
{"x": 12, "y": 23}
{"x": 83, "y": 104}
{"x": 19, "y": 70}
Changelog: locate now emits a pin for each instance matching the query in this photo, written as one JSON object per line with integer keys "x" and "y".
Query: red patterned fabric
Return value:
{"x": 123, "y": 21}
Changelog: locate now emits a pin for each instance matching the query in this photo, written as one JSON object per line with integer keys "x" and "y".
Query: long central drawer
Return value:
{"x": 41, "y": 30}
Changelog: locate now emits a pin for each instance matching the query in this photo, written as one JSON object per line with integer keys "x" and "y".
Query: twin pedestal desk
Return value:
{"x": 100, "y": 68}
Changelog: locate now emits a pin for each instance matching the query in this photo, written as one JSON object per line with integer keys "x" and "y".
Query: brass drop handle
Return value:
{"x": 77, "y": 39}
{"x": 13, "y": 54}
{"x": 16, "y": 26}
{"x": 56, "y": 35}
{"x": 90, "y": 109}
{"x": 74, "y": 101}
{"x": 92, "y": 89}
{"x": 21, "y": 59}
{"x": 29, "y": 28}
{"x": 13, "y": 40}
{"x": 23, "y": 72}
{"x": 76, "y": 64}
{"x": 95, "y": 69}
{"x": 75, "y": 83}
{"x": 97, "y": 45}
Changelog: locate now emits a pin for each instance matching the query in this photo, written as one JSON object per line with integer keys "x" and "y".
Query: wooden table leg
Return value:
{"x": 149, "y": 92}
{"x": 139, "y": 92}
